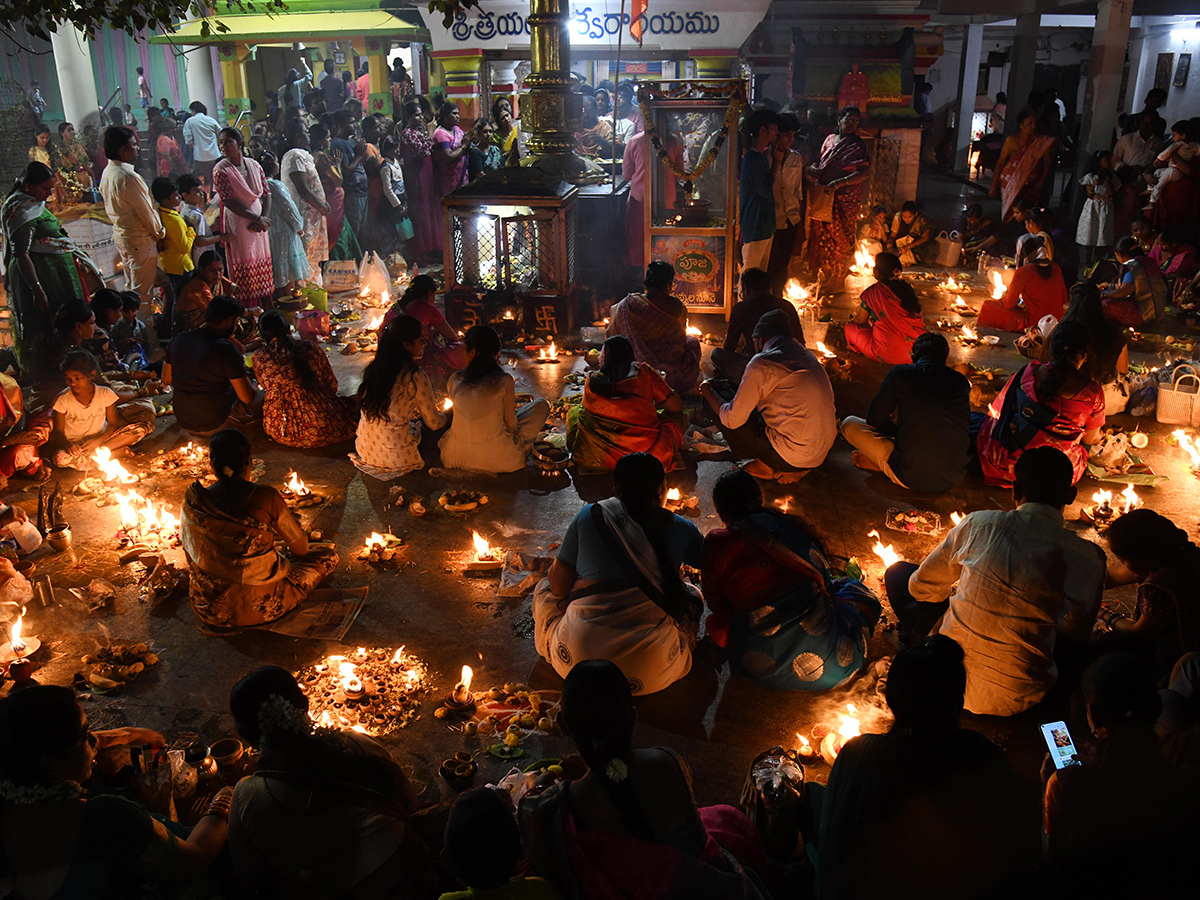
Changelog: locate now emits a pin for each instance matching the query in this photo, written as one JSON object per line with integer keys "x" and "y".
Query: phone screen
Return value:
{"x": 1062, "y": 748}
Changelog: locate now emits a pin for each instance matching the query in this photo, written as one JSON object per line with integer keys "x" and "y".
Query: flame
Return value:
{"x": 970, "y": 333}
{"x": 850, "y": 726}
{"x": 1102, "y": 498}
{"x": 467, "y": 675}
{"x": 960, "y": 303}
{"x": 1132, "y": 500}
{"x": 692, "y": 329}
{"x": 360, "y": 729}
{"x": 296, "y": 485}
{"x": 348, "y": 675}
{"x": 956, "y": 517}
{"x": 113, "y": 470}
{"x": 864, "y": 263}
{"x": 385, "y": 299}
{"x": 673, "y": 495}
{"x": 399, "y": 655}
{"x": 374, "y": 324}
{"x": 887, "y": 553}
{"x": 447, "y": 404}
{"x": 803, "y": 740}
{"x": 373, "y": 539}
{"x": 825, "y": 351}
{"x": 140, "y": 518}
{"x": 997, "y": 286}
{"x": 548, "y": 353}
{"x": 784, "y": 504}
{"x": 364, "y": 292}
{"x": 794, "y": 291}
{"x": 14, "y": 635}
{"x": 1185, "y": 441}
{"x": 482, "y": 549}
{"x": 951, "y": 285}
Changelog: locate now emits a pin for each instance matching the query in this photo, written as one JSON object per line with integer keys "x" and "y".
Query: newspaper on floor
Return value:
{"x": 521, "y": 573}
{"x": 326, "y": 615}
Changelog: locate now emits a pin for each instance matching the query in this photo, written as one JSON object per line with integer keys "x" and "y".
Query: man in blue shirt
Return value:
{"x": 756, "y": 192}
{"x": 352, "y": 153}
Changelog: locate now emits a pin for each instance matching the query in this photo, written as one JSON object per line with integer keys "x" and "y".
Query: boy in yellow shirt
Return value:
{"x": 176, "y": 257}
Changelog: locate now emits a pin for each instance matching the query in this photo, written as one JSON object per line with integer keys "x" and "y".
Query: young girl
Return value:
{"x": 86, "y": 415}
{"x": 1175, "y": 161}
{"x": 1095, "y": 232}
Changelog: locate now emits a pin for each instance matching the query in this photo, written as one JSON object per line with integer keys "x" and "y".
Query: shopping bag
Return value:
{"x": 820, "y": 204}
{"x": 949, "y": 248}
{"x": 312, "y": 323}
{"x": 339, "y": 275}
{"x": 1179, "y": 398}
{"x": 373, "y": 275}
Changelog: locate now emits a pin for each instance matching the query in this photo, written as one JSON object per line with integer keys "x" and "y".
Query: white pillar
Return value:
{"x": 968, "y": 80}
{"x": 201, "y": 84}
{"x": 76, "y": 80}
{"x": 1101, "y": 94}
{"x": 1020, "y": 73}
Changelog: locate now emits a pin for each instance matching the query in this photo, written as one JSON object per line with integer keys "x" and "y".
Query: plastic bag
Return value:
{"x": 339, "y": 275}
{"x": 15, "y": 595}
{"x": 373, "y": 275}
{"x": 183, "y": 777}
{"x": 771, "y": 799}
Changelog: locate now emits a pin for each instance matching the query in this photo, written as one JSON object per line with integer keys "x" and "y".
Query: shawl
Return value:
{"x": 227, "y": 548}
{"x": 840, "y": 156}
{"x": 658, "y": 340}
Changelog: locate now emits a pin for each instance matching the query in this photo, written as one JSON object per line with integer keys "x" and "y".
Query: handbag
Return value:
{"x": 949, "y": 248}
{"x": 1179, "y": 398}
{"x": 1021, "y": 417}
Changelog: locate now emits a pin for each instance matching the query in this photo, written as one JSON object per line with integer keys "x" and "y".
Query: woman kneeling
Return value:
{"x": 229, "y": 531}
{"x": 615, "y": 592}
{"x": 787, "y": 622}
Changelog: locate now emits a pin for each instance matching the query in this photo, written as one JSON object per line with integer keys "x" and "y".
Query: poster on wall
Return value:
{"x": 1181, "y": 72}
{"x": 1162, "y": 74}
{"x": 699, "y": 262}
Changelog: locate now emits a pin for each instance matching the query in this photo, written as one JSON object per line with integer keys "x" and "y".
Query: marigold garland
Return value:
{"x": 736, "y": 94}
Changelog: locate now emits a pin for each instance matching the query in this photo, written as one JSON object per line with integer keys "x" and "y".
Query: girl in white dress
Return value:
{"x": 394, "y": 397}
{"x": 1095, "y": 232}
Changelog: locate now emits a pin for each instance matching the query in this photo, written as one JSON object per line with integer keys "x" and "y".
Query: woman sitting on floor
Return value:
{"x": 615, "y": 592}
{"x": 786, "y": 621}
{"x": 1107, "y": 361}
{"x": 1044, "y": 405}
{"x": 393, "y": 398}
{"x": 630, "y": 827}
{"x": 1141, "y": 295}
{"x": 444, "y": 352}
{"x": 229, "y": 530}
{"x": 888, "y": 318}
{"x": 620, "y": 413}
{"x": 208, "y": 280}
{"x": 327, "y": 813}
{"x": 656, "y": 324}
{"x": 488, "y": 433}
{"x": 1037, "y": 290}
{"x": 302, "y": 407}
{"x": 87, "y": 415}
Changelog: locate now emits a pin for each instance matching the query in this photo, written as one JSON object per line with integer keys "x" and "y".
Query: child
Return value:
{"x": 86, "y": 415}
{"x": 129, "y": 332}
{"x": 1181, "y": 152}
{"x": 176, "y": 258}
{"x": 106, "y": 307}
{"x": 289, "y": 262}
{"x": 395, "y": 228}
{"x": 193, "y": 209}
{"x": 874, "y": 230}
{"x": 483, "y": 844}
{"x": 1094, "y": 234}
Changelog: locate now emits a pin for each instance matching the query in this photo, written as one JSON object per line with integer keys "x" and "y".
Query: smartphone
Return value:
{"x": 1058, "y": 740}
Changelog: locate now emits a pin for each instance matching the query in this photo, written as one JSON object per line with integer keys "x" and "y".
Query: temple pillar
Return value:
{"x": 714, "y": 64}
{"x": 1101, "y": 93}
{"x": 76, "y": 79}
{"x": 968, "y": 80}
{"x": 502, "y": 81}
{"x": 379, "y": 86}
{"x": 462, "y": 81}
{"x": 237, "y": 95}
{"x": 1020, "y": 70}
{"x": 201, "y": 82}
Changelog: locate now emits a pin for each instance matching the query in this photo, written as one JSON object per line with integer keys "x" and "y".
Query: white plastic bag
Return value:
{"x": 1047, "y": 324}
{"x": 373, "y": 275}
{"x": 15, "y": 595}
{"x": 26, "y": 535}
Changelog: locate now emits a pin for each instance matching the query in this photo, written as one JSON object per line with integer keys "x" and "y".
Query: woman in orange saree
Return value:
{"x": 1023, "y": 165}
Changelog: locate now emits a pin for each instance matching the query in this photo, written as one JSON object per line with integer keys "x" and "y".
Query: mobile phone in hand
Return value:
{"x": 1060, "y": 744}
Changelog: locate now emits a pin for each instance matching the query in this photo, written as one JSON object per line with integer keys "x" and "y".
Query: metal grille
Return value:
{"x": 476, "y": 262}
{"x": 529, "y": 253}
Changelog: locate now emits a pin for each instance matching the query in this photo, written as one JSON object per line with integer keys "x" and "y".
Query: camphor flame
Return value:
{"x": 970, "y": 333}
{"x": 886, "y": 552}
{"x": 951, "y": 285}
{"x": 398, "y": 656}
{"x": 375, "y": 539}
{"x": 1102, "y": 498}
{"x": 692, "y": 329}
{"x": 364, "y": 292}
{"x": 784, "y": 504}
{"x": 850, "y": 725}
{"x": 955, "y": 518}
{"x": 997, "y": 286}
{"x": 14, "y": 634}
{"x": 794, "y": 291}
{"x": 1131, "y": 498}
{"x": 960, "y": 303}
{"x": 482, "y": 548}
{"x": 349, "y": 676}
{"x": 548, "y": 353}
{"x": 1185, "y": 441}
{"x": 462, "y": 690}
{"x": 296, "y": 485}
{"x": 374, "y": 324}
{"x": 825, "y": 351}
{"x": 447, "y": 404}
{"x": 673, "y": 495}
{"x": 805, "y": 748}
{"x": 113, "y": 470}
{"x": 140, "y": 517}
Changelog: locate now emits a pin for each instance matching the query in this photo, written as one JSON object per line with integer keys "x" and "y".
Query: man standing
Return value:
{"x": 782, "y": 416}
{"x": 788, "y": 163}
{"x": 352, "y": 152}
{"x": 916, "y": 429}
{"x": 1005, "y": 584}
{"x": 756, "y": 195}
{"x": 137, "y": 230}
{"x": 144, "y": 94}
{"x": 333, "y": 89}
{"x": 200, "y": 133}
{"x": 1138, "y": 148}
{"x": 362, "y": 87}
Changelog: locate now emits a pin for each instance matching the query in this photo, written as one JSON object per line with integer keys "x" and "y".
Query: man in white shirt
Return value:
{"x": 789, "y": 201}
{"x": 782, "y": 416}
{"x": 200, "y": 131}
{"x": 1139, "y": 147}
{"x": 1005, "y": 584}
{"x": 137, "y": 229}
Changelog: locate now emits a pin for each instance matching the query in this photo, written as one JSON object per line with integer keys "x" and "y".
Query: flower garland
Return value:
{"x": 29, "y": 794}
{"x": 278, "y": 715}
{"x": 736, "y": 97}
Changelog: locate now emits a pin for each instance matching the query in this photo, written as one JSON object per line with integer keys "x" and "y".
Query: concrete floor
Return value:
{"x": 717, "y": 722}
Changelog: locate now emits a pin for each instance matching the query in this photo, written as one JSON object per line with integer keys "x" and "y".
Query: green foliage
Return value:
{"x": 450, "y": 8}
{"x": 131, "y": 16}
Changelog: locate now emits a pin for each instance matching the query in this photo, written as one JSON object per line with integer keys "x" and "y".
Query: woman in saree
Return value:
{"x": 620, "y": 413}
{"x": 888, "y": 318}
{"x": 44, "y": 267}
{"x": 245, "y": 220}
{"x": 229, "y": 530}
{"x": 74, "y": 165}
{"x": 844, "y": 167}
{"x": 615, "y": 592}
{"x": 786, "y": 621}
{"x": 1045, "y": 405}
{"x": 424, "y": 203}
{"x": 298, "y": 171}
{"x": 1024, "y": 163}
{"x": 629, "y": 826}
{"x": 445, "y": 353}
{"x": 342, "y": 242}
{"x": 656, "y": 324}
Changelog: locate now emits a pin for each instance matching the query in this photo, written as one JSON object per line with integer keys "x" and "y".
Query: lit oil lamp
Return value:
{"x": 398, "y": 658}
{"x": 1186, "y": 442}
{"x": 461, "y": 699}
{"x": 674, "y": 500}
{"x": 794, "y": 292}
{"x": 962, "y": 307}
{"x": 997, "y": 286}
{"x": 548, "y": 354}
{"x": 805, "y": 749}
{"x": 1130, "y": 499}
{"x": 692, "y": 330}
{"x": 951, "y": 285}
{"x": 833, "y": 742}
{"x": 112, "y": 469}
{"x": 955, "y": 518}
{"x": 886, "y": 552}
{"x": 824, "y": 351}
{"x": 379, "y": 547}
{"x": 296, "y": 487}
{"x": 144, "y": 522}
{"x": 18, "y": 646}
{"x": 487, "y": 558}
{"x": 447, "y": 405}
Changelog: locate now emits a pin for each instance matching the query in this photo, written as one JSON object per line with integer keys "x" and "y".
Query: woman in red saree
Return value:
{"x": 1023, "y": 165}
{"x": 888, "y": 319}
{"x": 245, "y": 206}
{"x": 619, "y": 413}
{"x": 845, "y": 165}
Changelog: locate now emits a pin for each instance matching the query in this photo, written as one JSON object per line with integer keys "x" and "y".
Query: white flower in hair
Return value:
{"x": 277, "y": 715}
{"x": 616, "y": 770}
{"x": 26, "y": 795}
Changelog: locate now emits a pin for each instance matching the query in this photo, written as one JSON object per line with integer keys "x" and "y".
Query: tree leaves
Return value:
{"x": 130, "y": 16}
